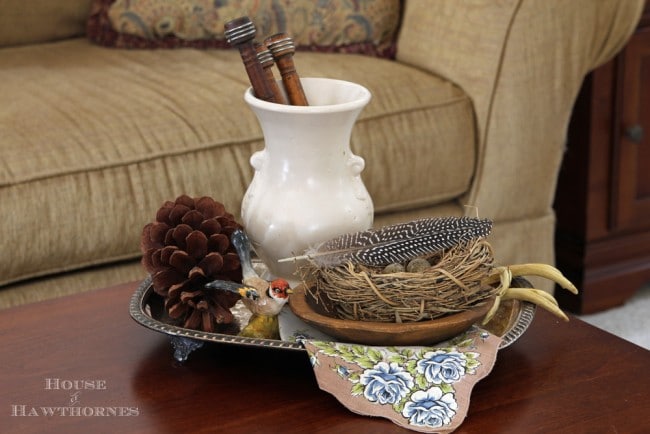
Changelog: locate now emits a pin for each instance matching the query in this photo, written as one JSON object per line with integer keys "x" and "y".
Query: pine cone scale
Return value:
{"x": 181, "y": 261}
{"x": 175, "y": 290}
{"x": 210, "y": 227}
{"x": 193, "y": 219}
{"x": 197, "y": 273}
{"x": 180, "y": 233}
{"x": 196, "y": 244}
{"x": 185, "y": 200}
{"x": 194, "y": 320}
{"x": 177, "y": 213}
{"x": 157, "y": 232}
{"x": 212, "y": 263}
{"x": 166, "y": 278}
{"x": 163, "y": 213}
{"x": 210, "y": 208}
{"x": 176, "y": 310}
{"x": 218, "y": 243}
{"x": 166, "y": 253}
{"x": 230, "y": 262}
{"x": 206, "y": 321}
{"x": 187, "y": 296}
{"x": 222, "y": 315}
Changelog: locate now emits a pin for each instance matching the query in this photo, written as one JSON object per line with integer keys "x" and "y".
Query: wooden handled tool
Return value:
{"x": 283, "y": 48}
{"x": 240, "y": 33}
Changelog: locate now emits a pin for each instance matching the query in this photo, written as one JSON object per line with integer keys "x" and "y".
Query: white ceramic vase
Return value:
{"x": 307, "y": 186}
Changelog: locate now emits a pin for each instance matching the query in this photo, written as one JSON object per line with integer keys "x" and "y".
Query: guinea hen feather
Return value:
{"x": 399, "y": 242}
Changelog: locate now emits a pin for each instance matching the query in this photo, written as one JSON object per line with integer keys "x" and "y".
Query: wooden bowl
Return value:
{"x": 381, "y": 333}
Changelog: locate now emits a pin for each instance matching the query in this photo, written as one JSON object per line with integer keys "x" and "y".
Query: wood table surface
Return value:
{"x": 557, "y": 378}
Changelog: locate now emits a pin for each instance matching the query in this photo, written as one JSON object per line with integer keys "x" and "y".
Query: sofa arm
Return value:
{"x": 522, "y": 62}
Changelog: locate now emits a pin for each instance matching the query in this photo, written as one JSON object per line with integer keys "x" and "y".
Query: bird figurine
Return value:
{"x": 263, "y": 298}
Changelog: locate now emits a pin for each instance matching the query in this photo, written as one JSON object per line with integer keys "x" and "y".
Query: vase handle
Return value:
{"x": 356, "y": 165}
{"x": 257, "y": 160}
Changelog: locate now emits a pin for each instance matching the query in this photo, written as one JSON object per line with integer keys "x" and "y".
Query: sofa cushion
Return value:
{"x": 26, "y": 22}
{"x": 359, "y": 27}
{"x": 94, "y": 140}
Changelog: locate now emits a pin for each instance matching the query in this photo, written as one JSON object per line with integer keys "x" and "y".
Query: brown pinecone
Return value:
{"x": 187, "y": 246}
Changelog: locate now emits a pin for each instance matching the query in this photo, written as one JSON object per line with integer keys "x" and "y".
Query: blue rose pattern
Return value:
{"x": 417, "y": 384}
{"x": 386, "y": 383}
{"x": 431, "y": 408}
{"x": 442, "y": 367}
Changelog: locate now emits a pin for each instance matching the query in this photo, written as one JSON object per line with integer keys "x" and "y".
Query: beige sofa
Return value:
{"x": 472, "y": 111}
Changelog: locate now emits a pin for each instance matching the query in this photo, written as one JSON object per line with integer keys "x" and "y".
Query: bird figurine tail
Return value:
{"x": 242, "y": 245}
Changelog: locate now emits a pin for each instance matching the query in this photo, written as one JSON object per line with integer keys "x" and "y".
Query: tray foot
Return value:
{"x": 183, "y": 347}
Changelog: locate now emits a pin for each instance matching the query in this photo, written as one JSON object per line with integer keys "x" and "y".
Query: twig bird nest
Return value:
{"x": 450, "y": 282}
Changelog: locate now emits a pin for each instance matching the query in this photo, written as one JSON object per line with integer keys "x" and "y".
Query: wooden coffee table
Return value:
{"x": 80, "y": 364}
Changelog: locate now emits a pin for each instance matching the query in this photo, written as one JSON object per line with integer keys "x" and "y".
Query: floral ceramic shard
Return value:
{"x": 424, "y": 389}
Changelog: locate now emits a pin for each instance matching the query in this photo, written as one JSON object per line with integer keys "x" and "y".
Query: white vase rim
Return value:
{"x": 360, "y": 97}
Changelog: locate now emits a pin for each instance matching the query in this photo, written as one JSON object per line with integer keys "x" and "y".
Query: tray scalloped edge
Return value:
{"x": 137, "y": 310}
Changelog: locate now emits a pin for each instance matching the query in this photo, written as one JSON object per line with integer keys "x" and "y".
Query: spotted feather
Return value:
{"x": 400, "y": 242}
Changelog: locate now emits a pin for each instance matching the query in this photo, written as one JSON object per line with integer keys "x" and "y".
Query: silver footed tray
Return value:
{"x": 510, "y": 322}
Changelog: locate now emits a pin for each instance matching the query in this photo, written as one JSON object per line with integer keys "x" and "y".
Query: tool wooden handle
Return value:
{"x": 283, "y": 48}
{"x": 265, "y": 58}
{"x": 240, "y": 33}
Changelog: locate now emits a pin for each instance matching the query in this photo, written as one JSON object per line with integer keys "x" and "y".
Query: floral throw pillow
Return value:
{"x": 363, "y": 26}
